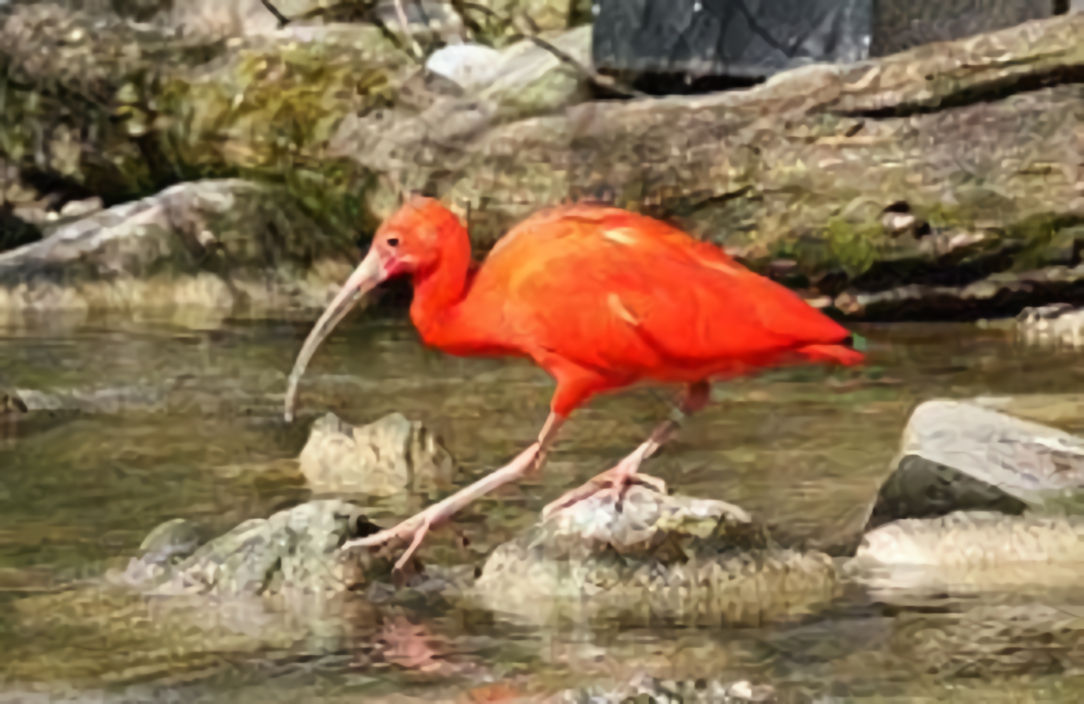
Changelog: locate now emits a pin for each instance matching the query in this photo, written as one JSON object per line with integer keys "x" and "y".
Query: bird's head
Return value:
{"x": 409, "y": 242}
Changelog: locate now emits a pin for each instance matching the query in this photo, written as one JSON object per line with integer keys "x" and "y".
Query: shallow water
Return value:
{"x": 134, "y": 424}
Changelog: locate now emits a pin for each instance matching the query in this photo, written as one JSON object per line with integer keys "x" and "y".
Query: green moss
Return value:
{"x": 1039, "y": 232}
{"x": 853, "y": 246}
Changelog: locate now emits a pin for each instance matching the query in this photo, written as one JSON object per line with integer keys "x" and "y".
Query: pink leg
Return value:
{"x": 626, "y": 471}
{"x": 415, "y": 528}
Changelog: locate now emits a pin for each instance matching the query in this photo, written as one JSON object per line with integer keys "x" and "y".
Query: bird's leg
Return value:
{"x": 416, "y": 527}
{"x": 625, "y": 473}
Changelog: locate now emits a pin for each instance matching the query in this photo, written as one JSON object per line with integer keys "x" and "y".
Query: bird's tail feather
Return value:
{"x": 832, "y": 354}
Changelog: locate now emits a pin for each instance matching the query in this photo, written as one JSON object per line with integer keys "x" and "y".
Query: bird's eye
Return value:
{"x": 393, "y": 241}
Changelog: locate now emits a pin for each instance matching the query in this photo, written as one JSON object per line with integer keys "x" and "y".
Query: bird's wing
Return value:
{"x": 611, "y": 290}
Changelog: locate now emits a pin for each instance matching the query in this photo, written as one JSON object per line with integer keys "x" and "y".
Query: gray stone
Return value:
{"x": 171, "y": 541}
{"x": 1053, "y": 325}
{"x": 965, "y": 552}
{"x": 294, "y": 551}
{"x": 220, "y": 246}
{"x": 958, "y": 455}
{"x": 658, "y": 557}
{"x": 379, "y": 459}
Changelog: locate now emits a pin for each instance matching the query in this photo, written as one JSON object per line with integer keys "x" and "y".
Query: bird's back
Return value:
{"x": 631, "y": 296}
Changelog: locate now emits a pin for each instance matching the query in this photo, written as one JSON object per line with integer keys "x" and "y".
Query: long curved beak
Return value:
{"x": 367, "y": 276}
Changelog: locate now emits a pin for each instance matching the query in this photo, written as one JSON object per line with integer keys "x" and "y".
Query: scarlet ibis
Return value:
{"x": 599, "y": 297}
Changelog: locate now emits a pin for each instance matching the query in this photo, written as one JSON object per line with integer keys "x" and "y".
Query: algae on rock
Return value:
{"x": 657, "y": 558}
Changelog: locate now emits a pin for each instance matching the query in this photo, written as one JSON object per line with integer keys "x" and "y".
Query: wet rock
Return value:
{"x": 226, "y": 245}
{"x": 965, "y": 455}
{"x": 651, "y": 689}
{"x": 659, "y": 557}
{"x": 293, "y": 552}
{"x": 379, "y": 459}
{"x": 170, "y": 542}
{"x": 970, "y": 551}
{"x": 1054, "y": 325}
{"x": 993, "y": 640}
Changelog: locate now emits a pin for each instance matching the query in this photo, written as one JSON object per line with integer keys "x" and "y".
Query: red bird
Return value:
{"x": 599, "y": 297}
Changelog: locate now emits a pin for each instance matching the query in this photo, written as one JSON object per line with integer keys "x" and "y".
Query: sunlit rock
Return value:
{"x": 658, "y": 557}
{"x": 382, "y": 458}
{"x": 469, "y": 65}
{"x": 971, "y": 551}
{"x": 1057, "y": 325}
{"x": 224, "y": 245}
{"x": 967, "y": 455}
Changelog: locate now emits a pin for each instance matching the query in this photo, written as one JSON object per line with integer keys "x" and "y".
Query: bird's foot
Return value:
{"x": 415, "y": 528}
{"x": 613, "y": 482}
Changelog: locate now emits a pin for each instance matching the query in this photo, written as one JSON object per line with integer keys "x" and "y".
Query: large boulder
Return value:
{"x": 382, "y": 458}
{"x": 225, "y": 245}
{"x": 971, "y": 455}
{"x": 656, "y": 557}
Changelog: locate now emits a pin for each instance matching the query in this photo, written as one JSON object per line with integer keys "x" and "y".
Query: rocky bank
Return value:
{"x": 942, "y": 182}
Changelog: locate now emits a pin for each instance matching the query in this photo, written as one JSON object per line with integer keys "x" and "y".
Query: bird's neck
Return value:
{"x": 439, "y": 289}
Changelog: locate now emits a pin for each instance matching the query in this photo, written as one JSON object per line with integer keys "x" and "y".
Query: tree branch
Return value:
{"x": 597, "y": 78}
{"x": 283, "y": 19}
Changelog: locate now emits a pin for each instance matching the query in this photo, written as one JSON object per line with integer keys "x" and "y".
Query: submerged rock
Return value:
{"x": 986, "y": 640}
{"x": 656, "y": 558}
{"x": 1054, "y": 325}
{"x": 221, "y": 245}
{"x": 378, "y": 459}
{"x": 970, "y": 551}
{"x": 965, "y": 455}
{"x": 651, "y": 689}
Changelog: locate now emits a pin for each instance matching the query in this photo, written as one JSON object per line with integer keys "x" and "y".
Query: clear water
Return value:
{"x": 154, "y": 422}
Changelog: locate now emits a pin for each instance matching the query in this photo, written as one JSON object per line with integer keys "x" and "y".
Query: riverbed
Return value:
{"x": 135, "y": 423}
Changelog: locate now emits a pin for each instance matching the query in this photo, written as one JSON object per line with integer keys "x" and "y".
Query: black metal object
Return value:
{"x": 903, "y": 24}
{"x": 738, "y": 38}
{"x": 753, "y": 39}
